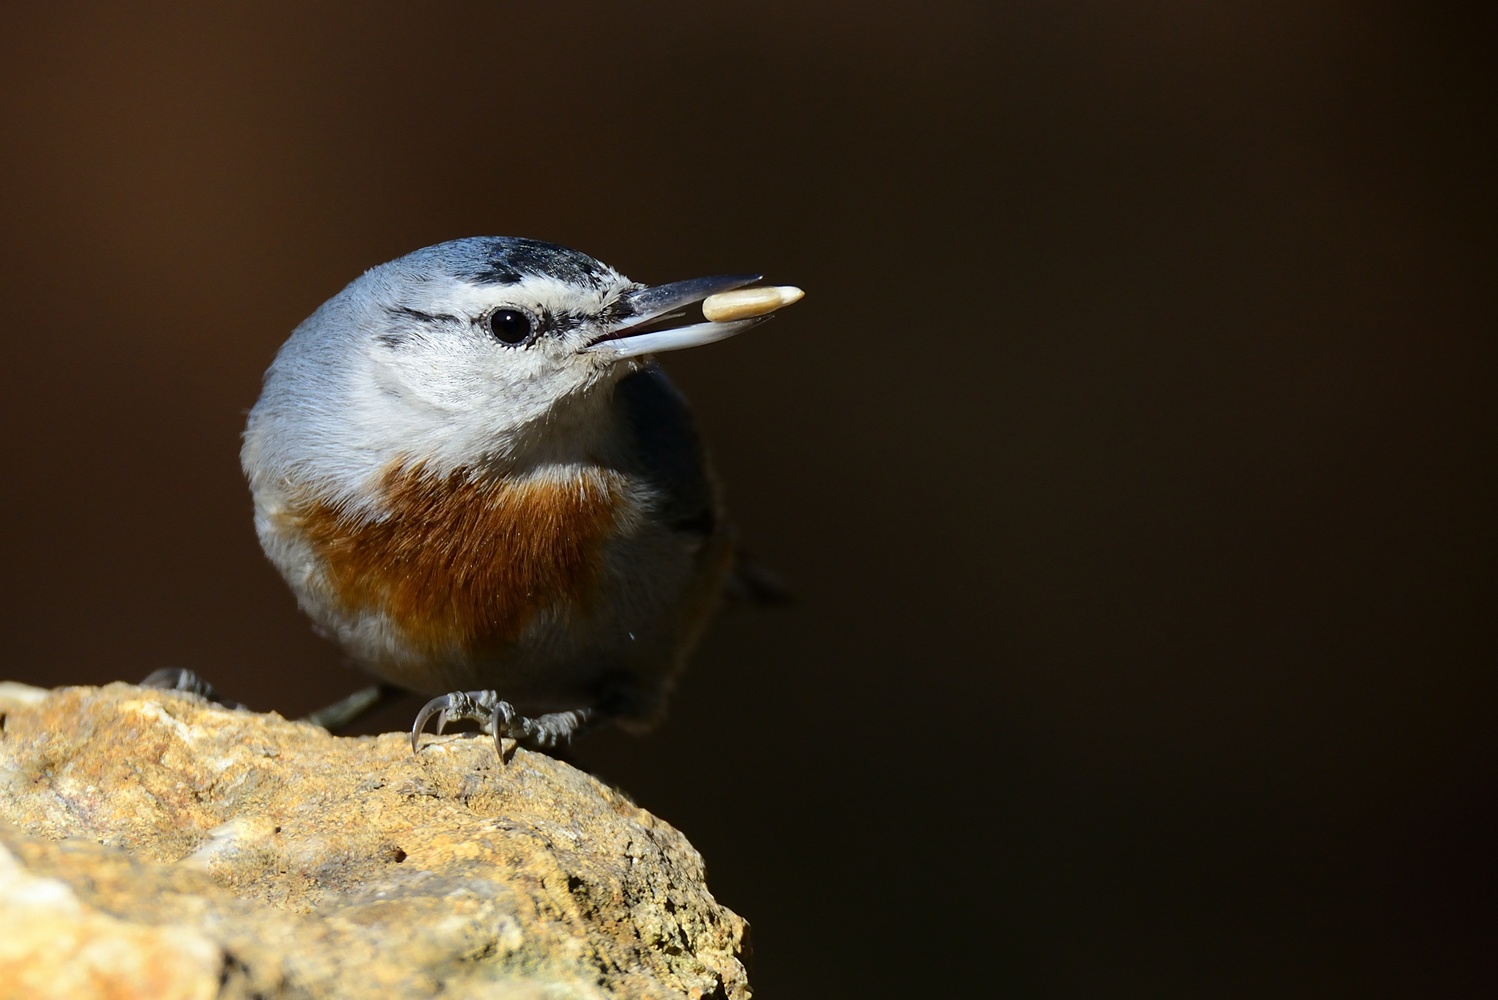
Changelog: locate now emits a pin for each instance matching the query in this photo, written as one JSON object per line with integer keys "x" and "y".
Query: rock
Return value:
{"x": 155, "y": 846}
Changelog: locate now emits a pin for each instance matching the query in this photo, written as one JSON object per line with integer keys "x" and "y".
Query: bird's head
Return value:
{"x": 487, "y": 350}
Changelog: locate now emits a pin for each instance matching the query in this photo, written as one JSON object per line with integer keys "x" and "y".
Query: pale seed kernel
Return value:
{"x": 745, "y": 303}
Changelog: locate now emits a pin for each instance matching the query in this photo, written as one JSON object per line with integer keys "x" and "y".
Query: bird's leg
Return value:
{"x": 181, "y": 679}
{"x": 344, "y": 711}
{"x": 499, "y": 719}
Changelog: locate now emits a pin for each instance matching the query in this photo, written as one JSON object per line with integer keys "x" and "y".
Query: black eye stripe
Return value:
{"x": 417, "y": 314}
{"x": 566, "y": 319}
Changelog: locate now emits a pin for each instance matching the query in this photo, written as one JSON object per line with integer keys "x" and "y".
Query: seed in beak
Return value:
{"x": 745, "y": 303}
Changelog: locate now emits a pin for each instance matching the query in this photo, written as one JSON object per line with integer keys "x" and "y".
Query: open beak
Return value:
{"x": 662, "y": 318}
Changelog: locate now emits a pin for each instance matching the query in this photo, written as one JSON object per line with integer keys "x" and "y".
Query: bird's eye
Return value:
{"x": 509, "y": 326}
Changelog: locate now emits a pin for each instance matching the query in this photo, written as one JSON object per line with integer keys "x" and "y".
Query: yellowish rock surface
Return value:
{"x": 152, "y": 845}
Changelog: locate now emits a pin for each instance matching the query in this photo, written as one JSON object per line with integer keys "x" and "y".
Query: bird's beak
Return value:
{"x": 660, "y": 318}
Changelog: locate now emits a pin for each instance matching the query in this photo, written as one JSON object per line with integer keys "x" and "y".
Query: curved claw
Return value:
{"x": 499, "y": 725}
{"x": 437, "y": 707}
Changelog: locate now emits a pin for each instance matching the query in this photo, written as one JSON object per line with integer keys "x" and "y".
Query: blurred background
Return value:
{"x": 1131, "y": 455}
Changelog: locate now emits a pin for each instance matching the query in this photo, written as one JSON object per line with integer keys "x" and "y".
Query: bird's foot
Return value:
{"x": 180, "y": 679}
{"x": 499, "y": 719}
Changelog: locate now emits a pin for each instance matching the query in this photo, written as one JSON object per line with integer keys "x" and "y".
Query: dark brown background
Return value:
{"x": 1131, "y": 452}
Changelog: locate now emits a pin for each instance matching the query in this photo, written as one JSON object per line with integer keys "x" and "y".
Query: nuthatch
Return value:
{"x": 475, "y": 477}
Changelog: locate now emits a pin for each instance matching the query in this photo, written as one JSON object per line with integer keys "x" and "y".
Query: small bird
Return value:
{"x": 476, "y": 479}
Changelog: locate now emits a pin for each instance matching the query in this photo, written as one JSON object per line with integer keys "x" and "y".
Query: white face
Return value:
{"x": 491, "y": 361}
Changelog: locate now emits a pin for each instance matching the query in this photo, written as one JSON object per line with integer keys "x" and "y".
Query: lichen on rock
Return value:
{"x": 153, "y": 845}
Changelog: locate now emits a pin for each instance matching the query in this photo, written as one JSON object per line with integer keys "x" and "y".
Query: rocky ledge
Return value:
{"x": 153, "y": 845}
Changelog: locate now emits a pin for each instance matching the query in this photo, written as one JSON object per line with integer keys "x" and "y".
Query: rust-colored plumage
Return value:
{"x": 463, "y": 563}
{"x": 477, "y": 480}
